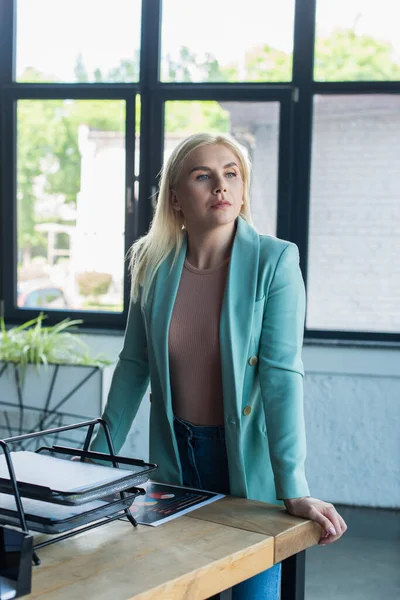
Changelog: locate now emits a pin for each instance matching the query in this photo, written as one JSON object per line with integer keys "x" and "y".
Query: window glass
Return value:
{"x": 71, "y": 204}
{"x": 354, "y": 242}
{"x": 216, "y": 41}
{"x": 78, "y": 41}
{"x": 357, "y": 40}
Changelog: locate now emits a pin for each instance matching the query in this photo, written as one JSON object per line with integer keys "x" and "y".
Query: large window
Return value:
{"x": 95, "y": 95}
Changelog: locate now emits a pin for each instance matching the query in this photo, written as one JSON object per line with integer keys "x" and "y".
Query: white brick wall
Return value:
{"x": 354, "y": 243}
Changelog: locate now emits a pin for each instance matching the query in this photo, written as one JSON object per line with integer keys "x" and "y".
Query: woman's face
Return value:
{"x": 209, "y": 192}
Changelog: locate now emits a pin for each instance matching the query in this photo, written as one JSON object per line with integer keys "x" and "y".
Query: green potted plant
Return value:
{"x": 48, "y": 377}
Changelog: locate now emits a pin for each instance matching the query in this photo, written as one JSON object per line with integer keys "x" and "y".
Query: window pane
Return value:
{"x": 71, "y": 204}
{"x": 357, "y": 40}
{"x": 354, "y": 253}
{"x": 216, "y": 41}
{"x": 78, "y": 41}
{"x": 255, "y": 125}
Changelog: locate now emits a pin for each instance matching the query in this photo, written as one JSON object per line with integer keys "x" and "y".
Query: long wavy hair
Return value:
{"x": 166, "y": 231}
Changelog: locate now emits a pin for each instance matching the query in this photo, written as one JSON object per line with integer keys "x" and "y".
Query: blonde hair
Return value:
{"x": 166, "y": 231}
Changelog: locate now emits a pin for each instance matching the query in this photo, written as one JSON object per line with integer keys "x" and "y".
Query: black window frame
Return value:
{"x": 295, "y": 147}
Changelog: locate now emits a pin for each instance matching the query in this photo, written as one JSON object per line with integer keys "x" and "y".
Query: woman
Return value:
{"x": 216, "y": 324}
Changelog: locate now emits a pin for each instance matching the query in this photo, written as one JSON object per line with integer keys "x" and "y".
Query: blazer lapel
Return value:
{"x": 237, "y": 316}
{"x": 165, "y": 290}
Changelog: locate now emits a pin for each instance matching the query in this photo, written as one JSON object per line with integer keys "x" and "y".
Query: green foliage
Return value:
{"x": 126, "y": 72}
{"x": 31, "y": 343}
{"x": 48, "y": 146}
{"x": 105, "y": 115}
{"x": 92, "y": 283}
{"x": 186, "y": 117}
{"x": 34, "y": 129}
{"x": 346, "y": 56}
{"x": 183, "y": 68}
{"x": 189, "y": 68}
{"x": 264, "y": 63}
{"x": 81, "y": 74}
{"x": 63, "y": 174}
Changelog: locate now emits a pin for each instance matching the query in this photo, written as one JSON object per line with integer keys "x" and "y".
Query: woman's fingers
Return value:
{"x": 338, "y": 521}
{"x": 334, "y": 519}
{"x": 317, "y": 516}
{"x": 338, "y": 524}
{"x": 332, "y": 523}
{"x": 323, "y": 513}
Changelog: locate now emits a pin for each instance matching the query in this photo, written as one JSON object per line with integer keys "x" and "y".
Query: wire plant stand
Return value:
{"x": 19, "y": 418}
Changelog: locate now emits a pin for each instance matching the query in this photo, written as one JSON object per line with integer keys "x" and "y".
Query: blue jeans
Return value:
{"x": 204, "y": 463}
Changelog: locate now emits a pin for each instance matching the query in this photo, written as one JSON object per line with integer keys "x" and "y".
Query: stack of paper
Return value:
{"x": 63, "y": 476}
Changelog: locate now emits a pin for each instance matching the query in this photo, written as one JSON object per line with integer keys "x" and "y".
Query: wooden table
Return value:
{"x": 192, "y": 557}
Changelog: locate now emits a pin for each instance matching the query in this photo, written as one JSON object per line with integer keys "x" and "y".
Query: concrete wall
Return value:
{"x": 352, "y": 409}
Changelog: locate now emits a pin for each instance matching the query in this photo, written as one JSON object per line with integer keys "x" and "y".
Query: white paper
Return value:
{"x": 48, "y": 510}
{"x": 60, "y": 475}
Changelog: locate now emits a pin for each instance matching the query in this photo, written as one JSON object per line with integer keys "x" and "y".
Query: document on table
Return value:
{"x": 164, "y": 502}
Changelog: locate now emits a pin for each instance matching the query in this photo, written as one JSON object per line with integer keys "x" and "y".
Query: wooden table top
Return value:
{"x": 291, "y": 534}
{"x": 191, "y": 557}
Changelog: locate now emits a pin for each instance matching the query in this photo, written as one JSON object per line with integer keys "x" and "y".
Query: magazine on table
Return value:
{"x": 164, "y": 502}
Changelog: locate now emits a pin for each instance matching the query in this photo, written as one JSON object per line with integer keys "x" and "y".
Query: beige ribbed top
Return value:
{"x": 194, "y": 349}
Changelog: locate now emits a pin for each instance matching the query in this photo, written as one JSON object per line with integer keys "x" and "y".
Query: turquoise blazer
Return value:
{"x": 261, "y": 336}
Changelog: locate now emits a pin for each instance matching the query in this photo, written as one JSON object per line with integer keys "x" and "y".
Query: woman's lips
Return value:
{"x": 222, "y": 204}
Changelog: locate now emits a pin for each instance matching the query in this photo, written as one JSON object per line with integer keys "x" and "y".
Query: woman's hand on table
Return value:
{"x": 322, "y": 512}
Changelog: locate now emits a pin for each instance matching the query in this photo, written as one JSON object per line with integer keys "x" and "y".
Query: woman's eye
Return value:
{"x": 202, "y": 177}
{"x": 231, "y": 174}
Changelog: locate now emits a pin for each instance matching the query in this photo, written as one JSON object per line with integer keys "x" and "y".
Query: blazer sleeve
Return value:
{"x": 281, "y": 375}
{"x": 129, "y": 382}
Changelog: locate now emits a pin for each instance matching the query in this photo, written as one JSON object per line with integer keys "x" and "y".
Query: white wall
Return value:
{"x": 352, "y": 409}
